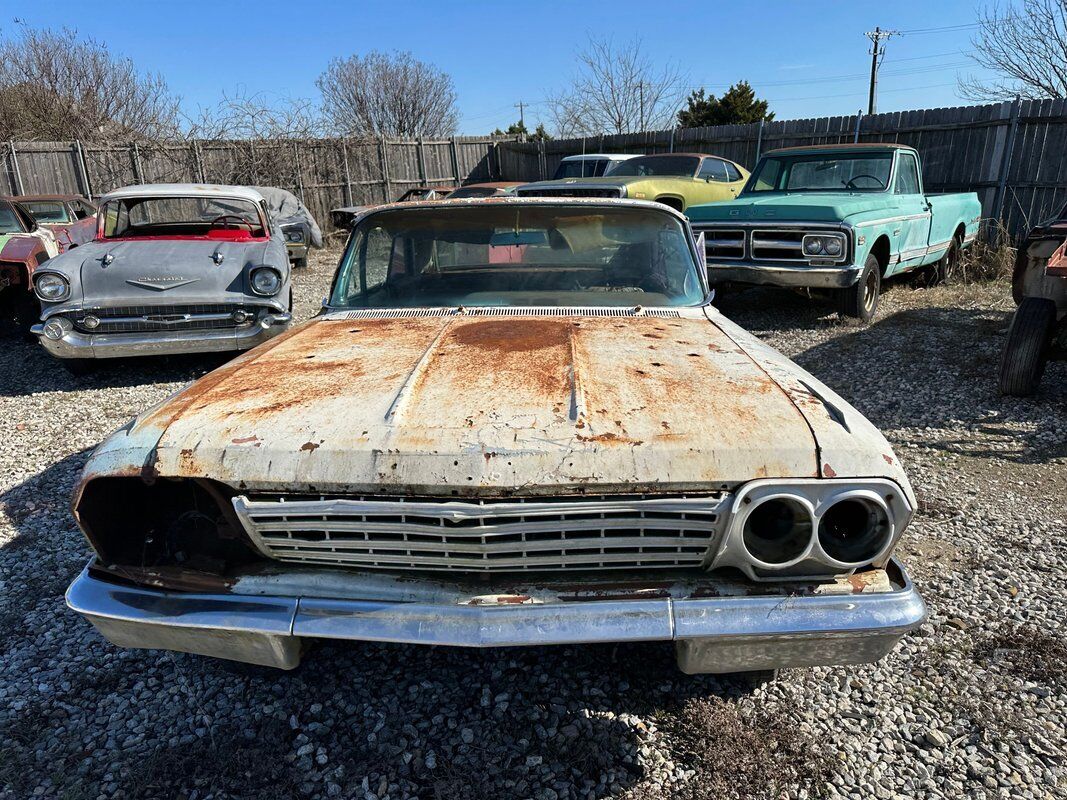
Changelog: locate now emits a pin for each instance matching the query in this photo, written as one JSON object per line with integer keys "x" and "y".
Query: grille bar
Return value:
{"x": 498, "y": 535}
{"x": 146, "y": 319}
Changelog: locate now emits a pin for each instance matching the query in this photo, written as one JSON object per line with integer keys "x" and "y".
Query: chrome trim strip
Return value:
{"x": 887, "y": 220}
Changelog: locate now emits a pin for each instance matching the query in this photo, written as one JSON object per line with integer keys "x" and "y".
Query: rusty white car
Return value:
{"x": 516, "y": 422}
{"x": 174, "y": 268}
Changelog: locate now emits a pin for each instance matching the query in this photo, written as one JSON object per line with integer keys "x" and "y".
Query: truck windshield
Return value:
{"x": 672, "y": 166}
{"x": 515, "y": 255}
{"x": 815, "y": 172}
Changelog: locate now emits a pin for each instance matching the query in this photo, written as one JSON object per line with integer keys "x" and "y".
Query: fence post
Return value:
{"x": 79, "y": 151}
{"x": 198, "y": 161}
{"x": 348, "y": 175}
{"x": 421, "y": 159}
{"x": 859, "y": 119}
{"x": 1005, "y": 162}
{"x": 299, "y": 171}
{"x": 455, "y": 160}
{"x": 19, "y": 188}
{"x": 542, "y": 160}
{"x": 670, "y": 147}
{"x": 759, "y": 141}
{"x": 138, "y": 174}
{"x": 383, "y": 162}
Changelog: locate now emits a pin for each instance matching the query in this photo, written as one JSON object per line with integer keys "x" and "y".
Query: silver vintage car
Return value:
{"x": 174, "y": 268}
{"x": 516, "y": 422}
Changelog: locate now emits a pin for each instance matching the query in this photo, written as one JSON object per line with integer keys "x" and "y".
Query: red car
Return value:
{"x": 71, "y": 218}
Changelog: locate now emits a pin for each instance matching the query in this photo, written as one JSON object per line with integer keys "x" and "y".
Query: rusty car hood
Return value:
{"x": 458, "y": 404}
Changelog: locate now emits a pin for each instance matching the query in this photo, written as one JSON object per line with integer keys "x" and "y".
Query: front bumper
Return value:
{"x": 712, "y": 632}
{"x": 121, "y": 345}
{"x": 778, "y": 275}
{"x": 296, "y": 250}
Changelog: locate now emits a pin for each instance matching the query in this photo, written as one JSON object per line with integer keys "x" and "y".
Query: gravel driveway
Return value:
{"x": 974, "y": 705}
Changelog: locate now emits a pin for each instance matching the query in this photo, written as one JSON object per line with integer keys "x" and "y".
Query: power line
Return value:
{"x": 859, "y": 93}
{"x": 877, "y": 53}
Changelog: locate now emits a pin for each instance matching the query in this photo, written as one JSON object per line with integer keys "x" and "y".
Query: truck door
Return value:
{"x": 915, "y": 212}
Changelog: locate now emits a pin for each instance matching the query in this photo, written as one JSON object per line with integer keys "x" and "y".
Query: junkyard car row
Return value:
{"x": 517, "y": 420}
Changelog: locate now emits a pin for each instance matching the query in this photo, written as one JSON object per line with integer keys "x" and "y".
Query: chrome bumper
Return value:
{"x": 779, "y": 275}
{"x": 122, "y": 345}
{"x": 296, "y": 250}
{"x": 711, "y": 633}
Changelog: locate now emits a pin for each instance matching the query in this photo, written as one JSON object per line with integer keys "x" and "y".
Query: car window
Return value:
{"x": 732, "y": 171}
{"x": 51, "y": 212}
{"x": 907, "y": 174}
{"x": 714, "y": 169}
{"x": 9, "y": 222}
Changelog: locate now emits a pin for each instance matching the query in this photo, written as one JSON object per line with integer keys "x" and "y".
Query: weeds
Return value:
{"x": 990, "y": 258}
{"x": 1026, "y": 652}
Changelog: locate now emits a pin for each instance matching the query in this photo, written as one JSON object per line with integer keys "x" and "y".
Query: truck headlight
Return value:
{"x": 294, "y": 235}
{"x": 829, "y": 245}
{"x": 52, "y": 287}
{"x": 265, "y": 281}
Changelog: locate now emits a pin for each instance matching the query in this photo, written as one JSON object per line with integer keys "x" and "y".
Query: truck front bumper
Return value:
{"x": 737, "y": 632}
{"x": 779, "y": 275}
{"x": 75, "y": 344}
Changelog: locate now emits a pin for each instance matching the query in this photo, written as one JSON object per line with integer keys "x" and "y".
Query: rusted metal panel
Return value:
{"x": 408, "y": 405}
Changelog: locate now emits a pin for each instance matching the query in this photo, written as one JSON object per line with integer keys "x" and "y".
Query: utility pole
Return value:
{"x": 877, "y": 54}
{"x": 522, "y": 119}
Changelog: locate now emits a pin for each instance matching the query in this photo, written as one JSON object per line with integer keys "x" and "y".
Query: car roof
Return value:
{"x": 491, "y": 185}
{"x": 847, "y": 146}
{"x": 515, "y": 200}
{"x": 33, "y": 198}
{"x": 609, "y": 156}
{"x": 185, "y": 190}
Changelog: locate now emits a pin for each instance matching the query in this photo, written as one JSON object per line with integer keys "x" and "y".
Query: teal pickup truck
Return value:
{"x": 838, "y": 217}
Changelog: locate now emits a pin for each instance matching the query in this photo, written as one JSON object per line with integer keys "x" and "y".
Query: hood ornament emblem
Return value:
{"x": 161, "y": 283}
{"x": 217, "y": 257}
{"x": 107, "y": 259}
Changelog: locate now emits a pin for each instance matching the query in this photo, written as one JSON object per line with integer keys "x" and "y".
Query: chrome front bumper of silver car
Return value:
{"x": 779, "y": 275}
{"x": 75, "y": 344}
{"x": 712, "y": 633}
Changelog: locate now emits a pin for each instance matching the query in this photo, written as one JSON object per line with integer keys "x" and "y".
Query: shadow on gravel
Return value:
{"x": 37, "y": 371}
{"x": 761, "y": 308}
{"x": 937, "y": 368}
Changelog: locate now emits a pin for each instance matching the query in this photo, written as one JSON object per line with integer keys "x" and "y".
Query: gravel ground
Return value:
{"x": 974, "y": 705}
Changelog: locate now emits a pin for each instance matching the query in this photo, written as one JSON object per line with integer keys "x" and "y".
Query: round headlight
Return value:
{"x": 854, "y": 530}
{"x": 832, "y": 246}
{"x": 52, "y": 287}
{"x": 777, "y": 531}
{"x": 813, "y": 245}
{"x": 266, "y": 281}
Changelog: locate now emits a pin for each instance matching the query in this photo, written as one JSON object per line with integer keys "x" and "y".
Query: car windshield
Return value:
{"x": 471, "y": 191}
{"x": 197, "y": 217}
{"x": 518, "y": 255}
{"x": 581, "y": 168}
{"x": 814, "y": 172}
{"x": 48, "y": 212}
{"x": 676, "y": 166}
{"x": 9, "y": 221}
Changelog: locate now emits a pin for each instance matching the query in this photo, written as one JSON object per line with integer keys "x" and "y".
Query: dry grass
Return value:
{"x": 1026, "y": 652}
{"x": 990, "y": 258}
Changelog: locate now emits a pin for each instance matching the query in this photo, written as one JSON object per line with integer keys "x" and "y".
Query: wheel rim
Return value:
{"x": 870, "y": 291}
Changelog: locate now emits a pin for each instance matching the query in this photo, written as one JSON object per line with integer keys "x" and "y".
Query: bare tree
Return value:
{"x": 55, "y": 86}
{"x": 617, "y": 89}
{"x": 1025, "y": 47}
{"x": 384, "y": 94}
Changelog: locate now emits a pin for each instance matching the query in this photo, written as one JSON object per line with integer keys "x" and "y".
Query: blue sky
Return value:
{"x": 809, "y": 59}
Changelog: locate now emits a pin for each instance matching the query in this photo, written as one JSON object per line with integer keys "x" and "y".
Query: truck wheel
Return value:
{"x": 860, "y": 301}
{"x": 300, "y": 263}
{"x": 938, "y": 272}
{"x": 1026, "y": 351}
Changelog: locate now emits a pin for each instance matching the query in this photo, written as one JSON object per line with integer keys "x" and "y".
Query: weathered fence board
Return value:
{"x": 1011, "y": 154}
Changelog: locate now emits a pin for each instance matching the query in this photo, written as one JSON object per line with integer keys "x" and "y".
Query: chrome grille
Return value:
{"x": 147, "y": 319}
{"x": 505, "y": 535}
{"x": 572, "y": 191}
{"x": 778, "y": 245}
{"x": 722, "y": 243}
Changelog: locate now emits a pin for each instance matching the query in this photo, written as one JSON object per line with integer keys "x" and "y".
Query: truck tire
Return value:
{"x": 300, "y": 263}
{"x": 860, "y": 300}
{"x": 1026, "y": 351}
{"x": 939, "y": 272}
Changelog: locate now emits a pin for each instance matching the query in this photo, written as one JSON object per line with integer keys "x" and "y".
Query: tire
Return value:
{"x": 937, "y": 273}
{"x": 300, "y": 263}
{"x": 1026, "y": 351}
{"x": 78, "y": 366}
{"x": 860, "y": 301}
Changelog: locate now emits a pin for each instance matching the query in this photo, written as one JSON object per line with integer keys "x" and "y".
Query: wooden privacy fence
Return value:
{"x": 324, "y": 173}
{"x": 1014, "y": 155}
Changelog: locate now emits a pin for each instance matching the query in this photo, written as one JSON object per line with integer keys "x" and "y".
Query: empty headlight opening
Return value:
{"x": 855, "y": 530}
{"x": 778, "y": 531}
{"x": 187, "y": 523}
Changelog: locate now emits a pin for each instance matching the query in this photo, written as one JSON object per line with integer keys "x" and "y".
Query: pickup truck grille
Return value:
{"x": 149, "y": 319}
{"x": 784, "y": 244}
{"x": 572, "y": 191}
{"x": 505, "y": 535}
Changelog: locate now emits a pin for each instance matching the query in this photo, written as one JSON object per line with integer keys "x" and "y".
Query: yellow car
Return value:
{"x": 678, "y": 180}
